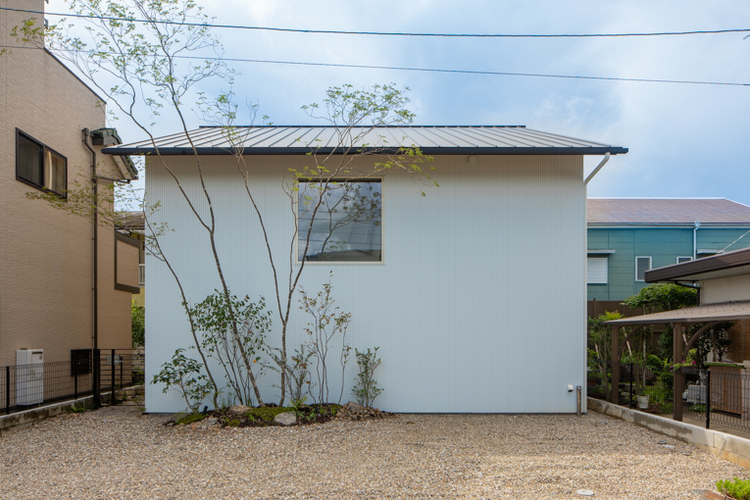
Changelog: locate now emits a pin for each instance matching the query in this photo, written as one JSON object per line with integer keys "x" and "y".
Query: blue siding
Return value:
{"x": 663, "y": 245}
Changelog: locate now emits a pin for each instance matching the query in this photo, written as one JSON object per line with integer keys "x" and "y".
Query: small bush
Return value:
{"x": 366, "y": 388}
{"x": 82, "y": 408}
{"x": 138, "y": 324}
{"x": 190, "y": 418}
{"x": 736, "y": 488}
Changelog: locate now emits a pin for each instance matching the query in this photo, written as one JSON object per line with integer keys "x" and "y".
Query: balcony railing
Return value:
{"x": 141, "y": 275}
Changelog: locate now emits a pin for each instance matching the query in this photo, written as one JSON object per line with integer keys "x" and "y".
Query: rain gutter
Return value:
{"x": 598, "y": 167}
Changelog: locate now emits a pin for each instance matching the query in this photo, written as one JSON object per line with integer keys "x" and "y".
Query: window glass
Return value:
{"x": 29, "y": 161}
{"x": 342, "y": 219}
{"x": 55, "y": 173}
{"x": 642, "y": 264}
{"x": 40, "y": 166}
{"x": 596, "y": 270}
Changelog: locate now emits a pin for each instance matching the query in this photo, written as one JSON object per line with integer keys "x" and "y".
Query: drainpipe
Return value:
{"x": 695, "y": 239}
{"x": 598, "y": 167}
{"x": 95, "y": 238}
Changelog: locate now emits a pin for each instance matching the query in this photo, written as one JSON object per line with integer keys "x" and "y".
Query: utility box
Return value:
{"x": 29, "y": 377}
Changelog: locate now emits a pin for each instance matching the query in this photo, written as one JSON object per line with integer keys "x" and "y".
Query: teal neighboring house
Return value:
{"x": 629, "y": 236}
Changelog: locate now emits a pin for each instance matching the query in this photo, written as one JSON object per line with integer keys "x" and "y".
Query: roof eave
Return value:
{"x": 482, "y": 151}
{"x": 684, "y": 271}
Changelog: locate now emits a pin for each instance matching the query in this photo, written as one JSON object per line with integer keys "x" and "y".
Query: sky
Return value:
{"x": 684, "y": 140}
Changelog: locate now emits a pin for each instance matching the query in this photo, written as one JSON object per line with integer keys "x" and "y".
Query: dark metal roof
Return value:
{"x": 666, "y": 211}
{"x": 432, "y": 140}
{"x": 726, "y": 311}
{"x": 132, "y": 220}
{"x": 723, "y": 264}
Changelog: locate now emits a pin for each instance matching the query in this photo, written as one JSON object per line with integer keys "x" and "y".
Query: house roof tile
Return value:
{"x": 666, "y": 211}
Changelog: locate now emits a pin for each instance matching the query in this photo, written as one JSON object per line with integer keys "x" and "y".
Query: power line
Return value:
{"x": 488, "y": 73}
{"x": 732, "y": 243}
{"x": 387, "y": 33}
{"x": 434, "y": 70}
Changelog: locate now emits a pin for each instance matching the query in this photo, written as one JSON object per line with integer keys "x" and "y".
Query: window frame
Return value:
{"x": 297, "y": 260}
{"x": 650, "y": 266}
{"x": 45, "y": 150}
{"x": 685, "y": 257}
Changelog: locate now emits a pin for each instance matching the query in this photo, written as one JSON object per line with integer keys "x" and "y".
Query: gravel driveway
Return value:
{"x": 118, "y": 453}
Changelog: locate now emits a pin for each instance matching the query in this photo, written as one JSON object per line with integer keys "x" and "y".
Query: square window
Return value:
{"x": 39, "y": 166}
{"x": 339, "y": 221}
{"x": 597, "y": 270}
{"x": 642, "y": 264}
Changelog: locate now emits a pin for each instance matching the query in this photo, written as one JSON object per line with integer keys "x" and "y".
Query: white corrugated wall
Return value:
{"x": 477, "y": 307}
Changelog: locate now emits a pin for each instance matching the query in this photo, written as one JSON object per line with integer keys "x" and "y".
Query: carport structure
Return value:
{"x": 723, "y": 283}
{"x": 711, "y": 315}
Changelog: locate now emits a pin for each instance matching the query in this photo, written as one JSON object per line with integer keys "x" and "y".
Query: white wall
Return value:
{"x": 478, "y": 306}
{"x": 731, "y": 289}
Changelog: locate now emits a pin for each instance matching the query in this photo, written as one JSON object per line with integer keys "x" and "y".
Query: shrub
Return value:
{"x": 184, "y": 375}
{"x": 366, "y": 388}
{"x": 736, "y": 488}
{"x": 138, "y": 324}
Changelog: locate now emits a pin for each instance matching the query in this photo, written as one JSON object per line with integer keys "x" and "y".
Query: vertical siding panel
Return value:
{"x": 478, "y": 305}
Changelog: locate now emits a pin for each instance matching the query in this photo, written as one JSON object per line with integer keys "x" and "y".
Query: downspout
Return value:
{"x": 95, "y": 238}
{"x": 695, "y": 239}
{"x": 596, "y": 170}
{"x": 586, "y": 244}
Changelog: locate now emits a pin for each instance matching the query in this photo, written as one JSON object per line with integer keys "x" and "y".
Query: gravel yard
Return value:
{"x": 118, "y": 453}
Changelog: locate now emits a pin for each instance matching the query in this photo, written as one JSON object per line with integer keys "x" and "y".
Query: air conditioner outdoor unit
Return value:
{"x": 29, "y": 377}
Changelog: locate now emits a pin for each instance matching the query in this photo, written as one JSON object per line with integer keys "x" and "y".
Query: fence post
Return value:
{"x": 96, "y": 378}
{"x": 7, "y": 390}
{"x": 630, "y": 395}
{"x": 708, "y": 397}
{"x": 112, "y": 397}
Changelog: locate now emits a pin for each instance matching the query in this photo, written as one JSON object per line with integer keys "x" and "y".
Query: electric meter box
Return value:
{"x": 29, "y": 376}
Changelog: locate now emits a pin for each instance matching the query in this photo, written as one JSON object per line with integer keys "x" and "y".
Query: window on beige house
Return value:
{"x": 38, "y": 165}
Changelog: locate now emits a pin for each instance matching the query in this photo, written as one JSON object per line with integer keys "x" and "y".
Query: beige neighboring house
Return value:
{"x": 52, "y": 129}
{"x": 135, "y": 223}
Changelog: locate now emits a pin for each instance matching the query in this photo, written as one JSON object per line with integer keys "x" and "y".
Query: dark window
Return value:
{"x": 38, "y": 165}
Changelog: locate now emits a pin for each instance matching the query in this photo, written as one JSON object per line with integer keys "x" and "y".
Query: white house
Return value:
{"x": 475, "y": 293}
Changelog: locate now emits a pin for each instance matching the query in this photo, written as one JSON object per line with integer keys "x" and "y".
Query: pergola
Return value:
{"x": 711, "y": 315}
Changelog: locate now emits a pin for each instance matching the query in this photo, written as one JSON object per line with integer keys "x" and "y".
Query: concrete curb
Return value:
{"x": 24, "y": 419}
{"x": 732, "y": 448}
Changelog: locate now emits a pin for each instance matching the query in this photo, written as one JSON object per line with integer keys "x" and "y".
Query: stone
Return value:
{"x": 354, "y": 406}
{"x": 240, "y": 409}
{"x": 286, "y": 418}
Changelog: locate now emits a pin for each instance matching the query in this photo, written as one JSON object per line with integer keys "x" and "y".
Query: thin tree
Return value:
{"x": 139, "y": 68}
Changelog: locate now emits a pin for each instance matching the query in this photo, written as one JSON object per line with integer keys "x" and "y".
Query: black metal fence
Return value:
{"x": 644, "y": 388}
{"x": 717, "y": 395}
{"x": 99, "y": 372}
